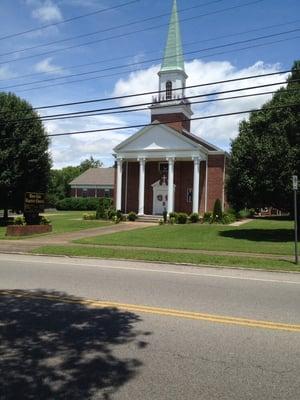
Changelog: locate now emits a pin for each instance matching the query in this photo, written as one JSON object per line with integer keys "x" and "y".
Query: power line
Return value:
{"x": 146, "y": 108}
{"x": 152, "y": 60}
{"x": 107, "y": 29}
{"x": 161, "y": 123}
{"x": 161, "y": 91}
{"x": 67, "y": 20}
{"x": 134, "y": 70}
{"x": 126, "y": 34}
{"x": 131, "y": 107}
{"x": 150, "y": 52}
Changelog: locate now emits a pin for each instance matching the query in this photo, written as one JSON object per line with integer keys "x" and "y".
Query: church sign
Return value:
{"x": 34, "y": 202}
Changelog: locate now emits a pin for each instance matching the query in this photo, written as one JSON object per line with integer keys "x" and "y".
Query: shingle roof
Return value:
{"x": 95, "y": 176}
{"x": 197, "y": 139}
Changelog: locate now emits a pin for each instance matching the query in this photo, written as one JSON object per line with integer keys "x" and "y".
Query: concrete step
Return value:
{"x": 149, "y": 218}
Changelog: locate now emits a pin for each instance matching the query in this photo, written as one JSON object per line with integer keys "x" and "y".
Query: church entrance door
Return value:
{"x": 160, "y": 199}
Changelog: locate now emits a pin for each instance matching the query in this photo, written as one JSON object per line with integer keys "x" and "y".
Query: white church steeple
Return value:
{"x": 171, "y": 100}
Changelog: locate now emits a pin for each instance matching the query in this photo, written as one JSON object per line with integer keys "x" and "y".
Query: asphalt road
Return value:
{"x": 95, "y": 329}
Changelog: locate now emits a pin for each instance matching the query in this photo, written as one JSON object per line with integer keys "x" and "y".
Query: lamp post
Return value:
{"x": 295, "y": 188}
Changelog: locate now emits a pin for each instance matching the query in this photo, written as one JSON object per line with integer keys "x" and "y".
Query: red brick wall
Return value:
{"x": 183, "y": 179}
{"x": 215, "y": 180}
{"x": 177, "y": 121}
{"x": 132, "y": 184}
{"x": 202, "y": 186}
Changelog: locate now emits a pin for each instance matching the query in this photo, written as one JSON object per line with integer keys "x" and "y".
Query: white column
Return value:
{"x": 171, "y": 161}
{"x": 196, "y": 184}
{"x": 119, "y": 184}
{"x": 142, "y": 186}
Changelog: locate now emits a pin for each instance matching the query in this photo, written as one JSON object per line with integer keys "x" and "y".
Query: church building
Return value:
{"x": 164, "y": 166}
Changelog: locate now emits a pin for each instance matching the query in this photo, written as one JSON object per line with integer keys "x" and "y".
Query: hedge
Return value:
{"x": 78, "y": 204}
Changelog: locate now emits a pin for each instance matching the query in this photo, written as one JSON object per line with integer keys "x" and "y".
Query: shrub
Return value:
{"x": 208, "y": 217}
{"x": 116, "y": 219}
{"x": 89, "y": 217}
{"x": 104, "y": 207}
{"x": 182, "y": 218}
{"x": 217, "y": 213}
{"x": 172, "y": 220}
{"x": 78, "y": 204}
{"x": 132, "y": 216}
{"x": 173, "y": 215}
{"x": 19, "y": 221}
{"x": 161, "y": 222}
{"x": 194, "y": 218}
{"x": 119, "y": 215}
{"x": 246, "y": 213}
{"x": 44, "y": 220}
{"x": 165, "y": 216}
{"x": 228, "y": 218}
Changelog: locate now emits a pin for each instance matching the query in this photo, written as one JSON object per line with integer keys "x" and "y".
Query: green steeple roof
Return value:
{"x": 173, "y": 58}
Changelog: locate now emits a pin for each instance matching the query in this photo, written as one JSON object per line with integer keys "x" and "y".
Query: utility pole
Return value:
{"x": 295, "y": 188}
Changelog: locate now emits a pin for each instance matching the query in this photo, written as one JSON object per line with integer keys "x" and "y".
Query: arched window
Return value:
{"x": 169, "y": 90}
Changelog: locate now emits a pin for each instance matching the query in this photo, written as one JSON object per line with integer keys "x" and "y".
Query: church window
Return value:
{"x": 169, "y": 90}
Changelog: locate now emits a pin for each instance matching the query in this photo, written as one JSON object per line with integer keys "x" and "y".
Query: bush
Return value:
{"x": 78, "y": 204}
{"x": 165, "y": 216}
{"x": 194, "y": 218}
{"x": 104, "y": 207}
{"x": 173, "y": 215}
{"x": 217, "y": 213}
{"x": 132, "y": 216}
{"x": 89, "y": 217}
{"x": 228, "y": 218}
{"x": 246, "y": 213}
{"x": 172, "y": 220}
{"x": 182, "y": 218}
{"x": 119, "y": 215}
{"x": 161, "y": 222}
{"x": 19, "y": 221}
{"x": 208, "y": 217}
{"x": 44, "y": 220}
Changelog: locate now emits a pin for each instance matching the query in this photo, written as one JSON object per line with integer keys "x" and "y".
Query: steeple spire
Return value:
{"x": 173, "y": 58}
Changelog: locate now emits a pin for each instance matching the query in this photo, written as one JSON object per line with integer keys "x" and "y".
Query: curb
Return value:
{"x": 156, "y": 262}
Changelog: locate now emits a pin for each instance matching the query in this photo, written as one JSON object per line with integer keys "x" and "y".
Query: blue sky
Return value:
{"x": 198, "y": 32}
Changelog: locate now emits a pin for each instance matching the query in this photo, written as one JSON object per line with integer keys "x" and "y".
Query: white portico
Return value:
{"x": 163, "y": 145}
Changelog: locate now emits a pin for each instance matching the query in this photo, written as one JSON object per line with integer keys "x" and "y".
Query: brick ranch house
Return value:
{"x": 95, "y": 182}
{"x": 164, "y": 166}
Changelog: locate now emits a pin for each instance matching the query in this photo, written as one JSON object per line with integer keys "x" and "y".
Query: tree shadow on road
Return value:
{"x": 51, "y": 349}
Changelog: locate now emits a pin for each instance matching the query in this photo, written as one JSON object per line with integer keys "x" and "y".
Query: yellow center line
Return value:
{"x": 221, "y": 319}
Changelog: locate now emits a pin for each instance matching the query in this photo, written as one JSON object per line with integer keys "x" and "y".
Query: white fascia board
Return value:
{"x": 163, "y": 155}
{"x": 74, "y": 186}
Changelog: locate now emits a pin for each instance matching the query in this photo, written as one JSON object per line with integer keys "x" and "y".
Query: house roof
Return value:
{"x": 95, "y": 176}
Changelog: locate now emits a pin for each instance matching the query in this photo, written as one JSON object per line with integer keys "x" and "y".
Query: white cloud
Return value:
{"x": 6, "y": 73}
{"x": 46, "y": 11}
{"x": 71, "y": 150}
{"x": 218, "y": 130}
{"x": 47, "y": 66}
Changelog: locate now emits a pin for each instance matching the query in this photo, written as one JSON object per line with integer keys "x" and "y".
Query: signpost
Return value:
{"x": 33, "y": 205}
{"x": 295, "y": 188}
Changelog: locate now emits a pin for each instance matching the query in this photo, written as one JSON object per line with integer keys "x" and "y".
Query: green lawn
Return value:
{"x": 156, "y": 256}
{"x": 66, "y": 221}
{"x": 258, "y": 236}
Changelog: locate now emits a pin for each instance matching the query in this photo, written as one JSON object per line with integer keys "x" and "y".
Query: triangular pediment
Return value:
{"x": 157, "y": 137}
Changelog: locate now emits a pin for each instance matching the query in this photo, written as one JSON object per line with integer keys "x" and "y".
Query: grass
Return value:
{"x": 259, "y": 236}
{"x": 65, "y": 221}
{"x": 156, "y": 256}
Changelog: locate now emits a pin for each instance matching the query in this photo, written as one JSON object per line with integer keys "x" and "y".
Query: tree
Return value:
{"x": 24, "y": 159}
{"x": 266, "y": 152}
{"x": 61, "y": 178}
{"x": 90, "y": 163}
